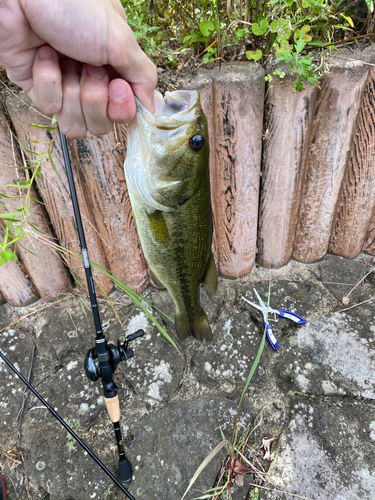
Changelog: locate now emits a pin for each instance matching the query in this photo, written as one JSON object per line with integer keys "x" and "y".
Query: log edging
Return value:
{"x": 292, "y": 175}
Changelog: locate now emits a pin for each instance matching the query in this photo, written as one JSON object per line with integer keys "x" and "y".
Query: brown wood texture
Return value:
{"x": 369, "y": 243}
{"x": 42, "y": 263}
{"x": 102, "y": 172}
{"x": 2, "y": 298}
{"x": 357, "y": 194}
{"x": 288, "y": 119}
{"x": 15, "y": 285}
{"x": 335, "y": 115}
{"x": 236, "y": 145}
{"x": 56, "y": 193}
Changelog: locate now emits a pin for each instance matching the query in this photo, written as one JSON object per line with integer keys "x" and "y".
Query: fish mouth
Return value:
{"x": 172, "y": 111}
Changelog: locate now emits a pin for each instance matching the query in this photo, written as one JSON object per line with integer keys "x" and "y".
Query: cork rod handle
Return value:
{"x": 113, "y": 407}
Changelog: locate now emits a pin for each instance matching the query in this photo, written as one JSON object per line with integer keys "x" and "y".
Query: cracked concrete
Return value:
{"x": 316, "y": 393}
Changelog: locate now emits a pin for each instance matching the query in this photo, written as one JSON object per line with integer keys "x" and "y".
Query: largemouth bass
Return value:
{"x": 167, "y": 175}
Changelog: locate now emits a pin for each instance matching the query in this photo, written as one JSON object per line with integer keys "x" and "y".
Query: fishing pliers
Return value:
{"x": 283, "y": 313}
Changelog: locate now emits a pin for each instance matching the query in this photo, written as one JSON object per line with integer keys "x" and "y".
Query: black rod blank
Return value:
{"x": 82, "y": 240}
{"x": 66, "y": 426}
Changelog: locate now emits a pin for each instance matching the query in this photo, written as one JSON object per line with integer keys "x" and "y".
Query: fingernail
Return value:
{"x": 96, "y": 71}
{"x": 117, "y": 91}
{"x": 45, "y": 52}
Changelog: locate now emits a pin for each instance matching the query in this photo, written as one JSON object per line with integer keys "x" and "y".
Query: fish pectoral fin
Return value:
{"x": 158, "y": 228}
{"x": 210, "y": 280}
{"x": 156, "y": 283}
{"x": 193, "y": 325}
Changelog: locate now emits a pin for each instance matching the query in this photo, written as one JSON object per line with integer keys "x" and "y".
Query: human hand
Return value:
{"x": 76, "y": 59}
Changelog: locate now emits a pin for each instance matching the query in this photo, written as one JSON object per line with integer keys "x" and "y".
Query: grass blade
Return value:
{"x": 204, "y": 464}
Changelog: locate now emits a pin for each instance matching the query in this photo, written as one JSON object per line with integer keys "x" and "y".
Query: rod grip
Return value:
{"x": 113, "y": 407}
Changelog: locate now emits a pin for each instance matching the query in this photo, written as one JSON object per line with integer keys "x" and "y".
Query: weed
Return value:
{"x": 295, "y": 31}
{"x": 234, "y": 469}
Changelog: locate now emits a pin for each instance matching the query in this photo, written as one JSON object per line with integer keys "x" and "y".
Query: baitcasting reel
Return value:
{"x": 115, "y": 355}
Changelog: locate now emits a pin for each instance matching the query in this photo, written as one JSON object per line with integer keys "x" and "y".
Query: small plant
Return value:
{"x": 16, "y": 224}
{"x": 301, "y": 66}
{"x": 254, "y": 495}
{"x": 205, "y": 31}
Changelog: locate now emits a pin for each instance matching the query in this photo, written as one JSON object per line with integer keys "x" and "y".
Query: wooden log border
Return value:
{"x": 292, "y": 176}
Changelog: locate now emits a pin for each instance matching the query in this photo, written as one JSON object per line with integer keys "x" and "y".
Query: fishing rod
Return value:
{"x": 101, "y": 361}
{"x": 66, "y": 426}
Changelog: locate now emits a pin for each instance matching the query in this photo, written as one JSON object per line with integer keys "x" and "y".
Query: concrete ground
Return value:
{"x": 315, "y": 395}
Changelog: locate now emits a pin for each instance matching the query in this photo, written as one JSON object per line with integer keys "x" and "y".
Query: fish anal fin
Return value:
{"x": 158, "y": 228}
{"x": 156, "y": 283}
{"x": 210, "y": 280}
{"x": 193, "y": 325}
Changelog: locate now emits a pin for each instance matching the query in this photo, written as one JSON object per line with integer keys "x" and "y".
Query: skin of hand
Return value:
{"x": 78, "y": 60}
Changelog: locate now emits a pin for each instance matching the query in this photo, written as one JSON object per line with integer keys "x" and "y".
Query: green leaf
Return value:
{"x": 19, "y": 185}
{"x": 303, "y": 31}
{"x": 300, "y": 44}
{"x": 38, "y": 171}
{"x": 31, "y": 151}
{"x": 8, "y": 196}
{"x": 205, "y": 462}
{"x": 53, "y": 120}
{"x": 18, "y": 230}
{"x": 37, "y": 229}
{"x": 207, "y": 27}
{"x": 52, "y": 162}
{"x": 9, "y": 216}
{"x": 261, "y": 28}
{"x": 279, "y": 73}
{"x": 7, "y": 255}
{"x": 255, "y": 56}
{"x": 317, "y": 43}
{"x": 36, "y": 200}
{"x": 370, "y": 5}
{"x": 16, "y": 239}
{"x": 27, "y": 209}
{"x": 282, "y": 27}
{"x": 45, "y": 127}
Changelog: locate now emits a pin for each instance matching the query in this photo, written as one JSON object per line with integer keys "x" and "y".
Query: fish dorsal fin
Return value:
{"x": 210, "y": 280}
{"x": 158, "y": 228}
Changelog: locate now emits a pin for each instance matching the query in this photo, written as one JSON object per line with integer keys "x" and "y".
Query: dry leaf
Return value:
{"x": 345, "y": 300}
{"x": 240, "y": 471}
{"x": 265, "y": 449}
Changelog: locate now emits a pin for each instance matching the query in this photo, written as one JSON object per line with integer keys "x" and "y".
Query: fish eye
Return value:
{"x": 196, "y": 142}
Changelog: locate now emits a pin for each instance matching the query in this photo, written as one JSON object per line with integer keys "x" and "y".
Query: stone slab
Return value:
{"x": 325, "y": 452}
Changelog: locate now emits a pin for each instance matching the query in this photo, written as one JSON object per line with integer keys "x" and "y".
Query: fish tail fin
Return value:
{"x": 193, "y": 325}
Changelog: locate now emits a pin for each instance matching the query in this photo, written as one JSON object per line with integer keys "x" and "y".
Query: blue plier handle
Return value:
{"x": 283, "y": 313}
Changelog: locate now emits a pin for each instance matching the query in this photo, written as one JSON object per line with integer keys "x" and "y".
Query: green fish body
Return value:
{"x": 167, "y": 174}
